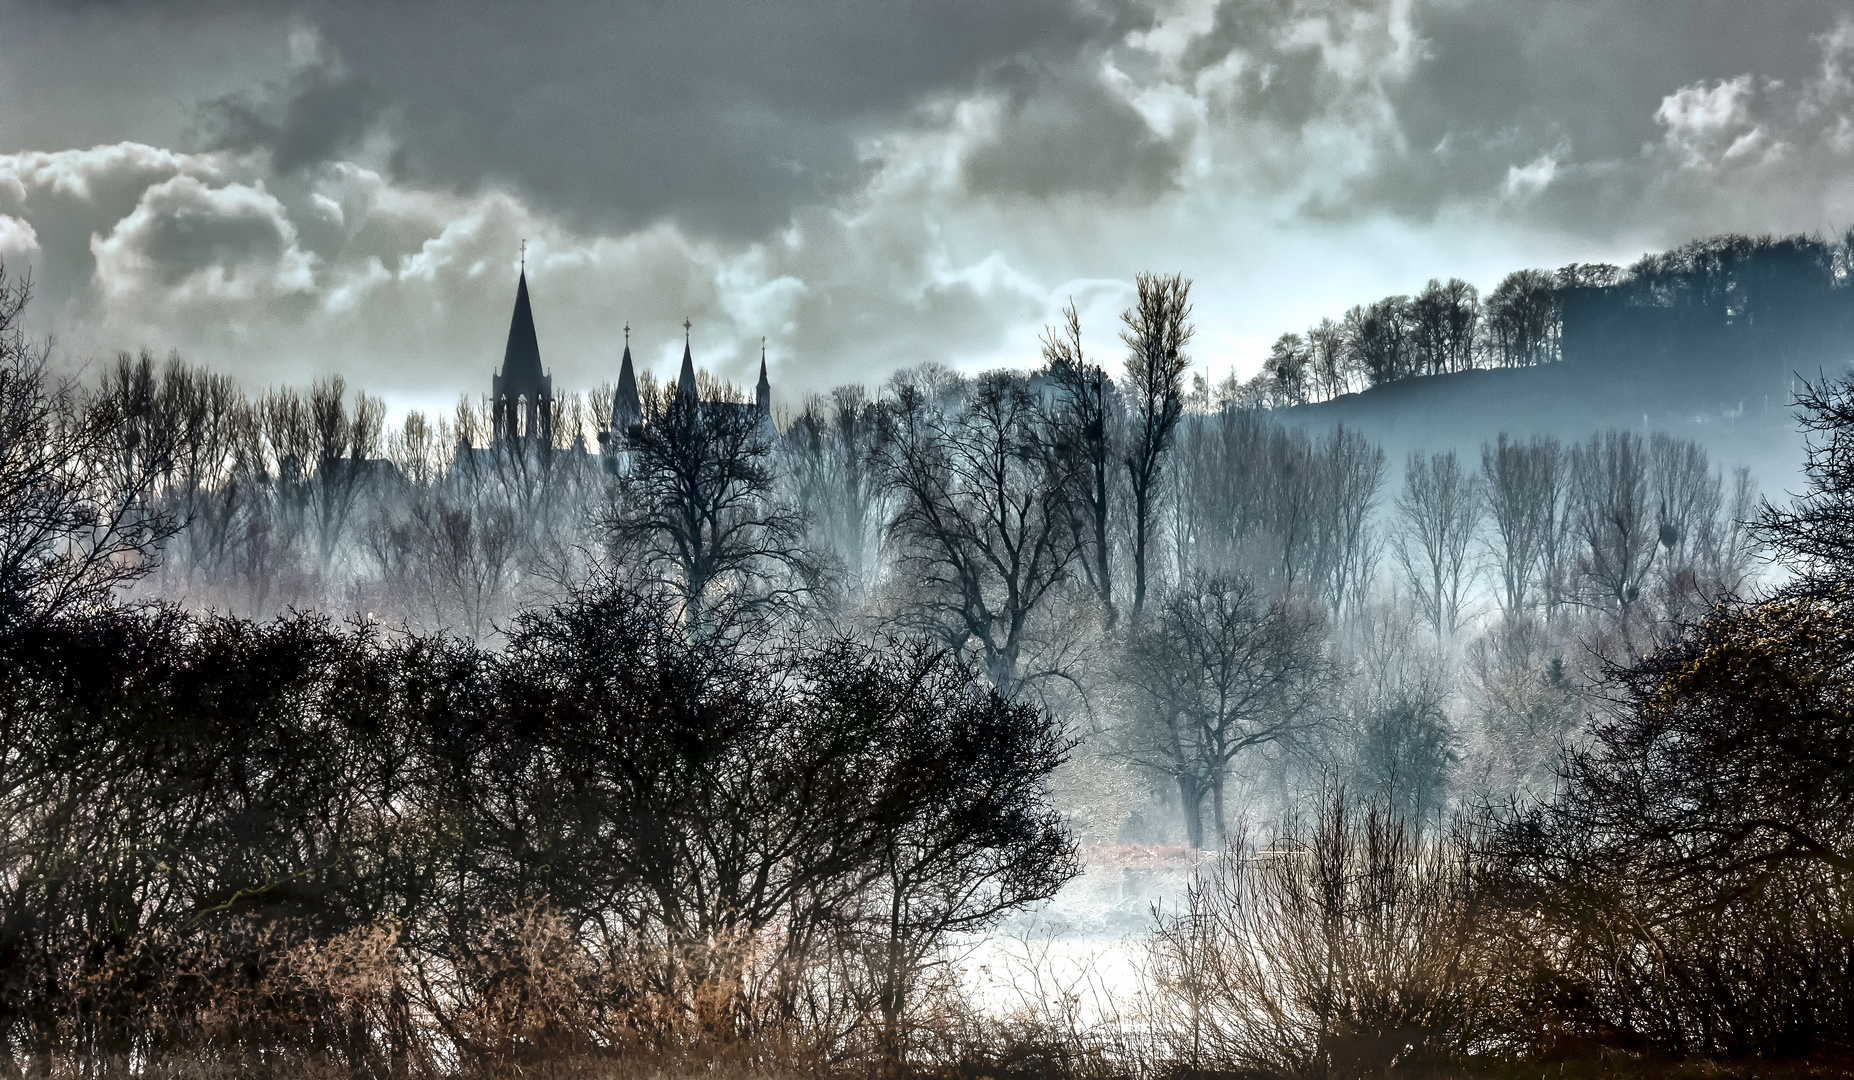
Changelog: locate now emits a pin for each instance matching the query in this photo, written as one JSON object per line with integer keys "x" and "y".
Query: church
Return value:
{"x": 522, "y": 393}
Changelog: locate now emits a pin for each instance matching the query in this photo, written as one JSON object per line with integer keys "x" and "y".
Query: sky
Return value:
{"x": 286, "y": 191}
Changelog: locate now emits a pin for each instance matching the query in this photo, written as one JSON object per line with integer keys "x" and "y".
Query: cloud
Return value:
{"x": 71, "y": 196}
{"x": 1043, "y": 132}
{"x": 1708, "y": 123}
{"x": 868, "y": 185}
{"x": 316, "y": 115}
{"x": 17, "y": 237}
{"x": 721, "y": 117}
{"x": 1756, "y": 154}
{"x": 186, "y": 241}
{"x": 1523, "y": 181}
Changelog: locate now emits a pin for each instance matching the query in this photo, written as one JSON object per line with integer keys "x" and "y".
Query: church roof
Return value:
{"x": 521, "y": 360}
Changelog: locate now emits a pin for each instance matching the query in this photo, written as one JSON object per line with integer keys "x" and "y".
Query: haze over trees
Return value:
{"x": 411, "y": 751}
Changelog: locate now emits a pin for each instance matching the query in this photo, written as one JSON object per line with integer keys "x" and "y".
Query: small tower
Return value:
{"x": 627, "y": 414}
{"x": 521, "y": 396}
{"x": 762, "y": 394}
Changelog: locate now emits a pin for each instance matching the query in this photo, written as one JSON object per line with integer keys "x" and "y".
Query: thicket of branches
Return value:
{"x": 229, "y": 840}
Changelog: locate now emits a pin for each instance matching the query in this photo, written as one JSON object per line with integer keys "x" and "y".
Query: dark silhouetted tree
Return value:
{"x": 1157, "y": 329}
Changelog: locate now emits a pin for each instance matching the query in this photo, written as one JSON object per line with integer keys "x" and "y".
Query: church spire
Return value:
{"x": 521, "y": 358}
{"x": 685, "y": 379}
{"x": 521, "y": 392}
{"x": 627, "y": 409}
{"x": 762, "y": 394}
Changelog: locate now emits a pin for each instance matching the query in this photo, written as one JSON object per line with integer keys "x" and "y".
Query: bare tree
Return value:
{"x": 1085, "y": 424}
{"x": 1350, "y": 471}
{"x": 1328, "y": 359}
{"x": 1522, "y": 319}
{"x": 699, "y": 503}
{"x": 1356, "y": 946}
{"x": 1429, "y": 321}
{"x": 346, "y": 442}
{"x": 1221, "y": 499}
{"x": 75, "y": 518}
{"x": 420, "y": 450}
{"x": 1524, "y": 701}
{"x": 1524, "y": 487}
{"x": 1707, "y": 551}
{"x": 982, "y": 537}
{"x": 1220, "y": 672}
{"x": 1438, "y": 513}
{"x": 193, "y": 427}
{"x": 1814, "y": 535}
{"x": 1379, "y": 339}
{"x": 1287, "y": 368}
{"x": 828, "y": 451}
{"x": 1462, "y": 328}
{"x": 1612, "y": 520}
{"x": 451, "y": 555}
{"x": 1158, "y": 326}
{"x": 1252, "y": 496}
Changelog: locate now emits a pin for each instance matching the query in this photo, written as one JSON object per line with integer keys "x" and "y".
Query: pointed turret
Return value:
{"x": 627, "y": 409}
{"x": 685, "y": 379}
{"x": 762, "y": 394}
{"x": 521, "y": 360}
{"x": 520, "y": 395}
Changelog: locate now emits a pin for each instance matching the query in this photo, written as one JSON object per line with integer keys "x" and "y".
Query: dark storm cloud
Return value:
{"x": 1064, "y": 131}
{"x": 74, "y": 196}
{"x": 316, "y": 116}
{"x": 76, "y": 75}
{"x": 721, "y": 116}
{"x": 1593, "y": 72}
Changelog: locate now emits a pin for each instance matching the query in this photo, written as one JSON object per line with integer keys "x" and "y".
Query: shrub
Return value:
{"x": 1345, "y": 951}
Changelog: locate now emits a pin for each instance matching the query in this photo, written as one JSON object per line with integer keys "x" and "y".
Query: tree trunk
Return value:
{"x": 1103, "y": 577}
{"x": 1191, "y": 802}
{"x": 1139, "y": 548}
{"x": 1216, "y": 798}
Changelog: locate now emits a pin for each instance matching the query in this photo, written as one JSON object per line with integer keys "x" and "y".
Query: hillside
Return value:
{"x": 1741, "y": 417}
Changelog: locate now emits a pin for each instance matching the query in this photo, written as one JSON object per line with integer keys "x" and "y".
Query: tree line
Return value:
{"x": 721, "y": 739}
{"x": 1751, "y": 299}
{"x": 1069, "y": 530}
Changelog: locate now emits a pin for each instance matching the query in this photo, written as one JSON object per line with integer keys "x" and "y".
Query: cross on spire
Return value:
{"x": 627, "y": 333}
{"x": 686, "y": 324}
{"x": 524, "y": 254}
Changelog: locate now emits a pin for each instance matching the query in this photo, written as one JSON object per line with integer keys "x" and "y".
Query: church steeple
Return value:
{"x": 521, "y": 358}
{"x": 762, "y": 394}
{"x": 685, "y": 379}
{"x": 522, "y": 393}
{"x": 627, "y": 409}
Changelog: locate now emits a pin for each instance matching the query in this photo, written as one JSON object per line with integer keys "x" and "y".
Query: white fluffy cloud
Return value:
{"x": 17, "y": 237}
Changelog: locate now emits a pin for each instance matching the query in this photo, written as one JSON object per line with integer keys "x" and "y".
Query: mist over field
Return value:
{"x": 1078, "y": 539}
